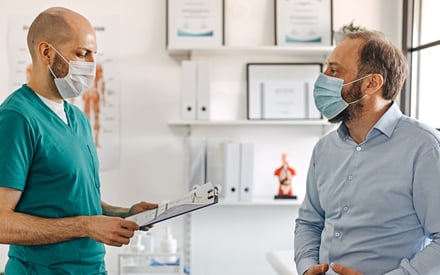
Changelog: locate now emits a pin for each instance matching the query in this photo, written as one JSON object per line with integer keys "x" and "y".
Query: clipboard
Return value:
{"x": 201, "y": 197}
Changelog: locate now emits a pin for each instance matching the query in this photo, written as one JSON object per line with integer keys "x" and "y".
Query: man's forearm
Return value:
{"x": 23, "y": 229}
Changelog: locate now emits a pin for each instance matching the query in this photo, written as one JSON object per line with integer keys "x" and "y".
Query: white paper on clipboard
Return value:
{"x": 203, "y": 196}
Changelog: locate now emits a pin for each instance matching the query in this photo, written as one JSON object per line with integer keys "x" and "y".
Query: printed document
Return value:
{"x": 203, "y": 196}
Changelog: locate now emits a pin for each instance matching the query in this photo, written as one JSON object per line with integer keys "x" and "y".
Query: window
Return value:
{"x": 422, "y": 93}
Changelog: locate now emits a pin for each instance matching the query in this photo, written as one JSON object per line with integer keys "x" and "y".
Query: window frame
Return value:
{"x": 412, "y": 47}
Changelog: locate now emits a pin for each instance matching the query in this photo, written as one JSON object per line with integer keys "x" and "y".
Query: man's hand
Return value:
{"x": 343, "y": 270}
{"x": 319, "y": 269}
{"x": 141, "y": 207}
{"x": 112, "y": 231}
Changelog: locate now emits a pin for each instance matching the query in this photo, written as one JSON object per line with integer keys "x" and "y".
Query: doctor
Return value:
{"x": 51, "y": 212}
{"x": 373, "y": 188}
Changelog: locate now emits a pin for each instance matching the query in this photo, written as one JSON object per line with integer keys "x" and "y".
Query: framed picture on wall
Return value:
{"x": 281, "y": 91}
{"x": 195, "y": 23}
{"x": 303, "y": 22}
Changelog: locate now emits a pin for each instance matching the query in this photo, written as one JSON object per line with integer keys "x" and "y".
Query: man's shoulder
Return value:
{"x": 18, "y": 100}
{"x": 418, "y": 129}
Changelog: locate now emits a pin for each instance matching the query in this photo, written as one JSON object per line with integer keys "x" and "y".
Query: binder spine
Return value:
{"x": 197, "y": 162}
{"x": 203, "y": 91}
{"x": 188, "y": 88}
{"x": 231, "y": 171}
{"x": 246, "y": 171}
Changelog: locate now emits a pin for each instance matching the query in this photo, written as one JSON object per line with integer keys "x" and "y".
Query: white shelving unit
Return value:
{"x": 240, "y": 222}
{"x": 261, "y": 215}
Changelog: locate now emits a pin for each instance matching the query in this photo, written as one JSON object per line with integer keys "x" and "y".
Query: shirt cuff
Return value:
{"x": 305, "y": 264}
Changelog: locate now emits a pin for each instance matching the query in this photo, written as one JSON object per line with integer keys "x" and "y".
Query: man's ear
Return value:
{"x": 45, "y": 52}
{"x": 373, "y": 83}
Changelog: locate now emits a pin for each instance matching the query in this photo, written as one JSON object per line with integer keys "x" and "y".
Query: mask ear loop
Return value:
{"x": 356, "y": 80}
{"x": 62, "y": 56}
{"x": 53, "y": 74}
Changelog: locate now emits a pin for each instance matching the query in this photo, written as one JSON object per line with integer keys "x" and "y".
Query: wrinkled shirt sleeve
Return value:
{"x": 309, "y": 226}
{"x": 426, "y": 199}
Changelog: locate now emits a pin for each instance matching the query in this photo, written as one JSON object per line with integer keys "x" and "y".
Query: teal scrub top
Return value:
{"x": 55, "y": 165}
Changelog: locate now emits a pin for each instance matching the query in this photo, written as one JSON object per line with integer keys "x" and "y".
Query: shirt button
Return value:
{"x": 345, "y": 208}
{"x": 337, "y": 234}
{"x": 350, "y": 177}
{"x": 358, "y": 148}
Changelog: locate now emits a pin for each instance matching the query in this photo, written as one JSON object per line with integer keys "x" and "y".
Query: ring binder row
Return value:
{"x": 227, "y": 164}
{"x": 195, "y": 90}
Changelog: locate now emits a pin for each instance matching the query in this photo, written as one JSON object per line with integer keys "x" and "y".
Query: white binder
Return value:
{"x": 188, "y": 88}
{"x": 197, "y": 162}
{"x": 230, "y": 186}
{"x": 246, "y": 171}
{"x": 214, "y": 161}
{"x": 203, "y": 91}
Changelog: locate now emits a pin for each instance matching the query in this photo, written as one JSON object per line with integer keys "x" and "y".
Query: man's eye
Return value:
{"x": 82, "y": 55}
{"x": 333, "y": 72}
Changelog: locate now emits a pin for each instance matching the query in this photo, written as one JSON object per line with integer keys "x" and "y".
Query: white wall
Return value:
{"x": 152, "y": 161}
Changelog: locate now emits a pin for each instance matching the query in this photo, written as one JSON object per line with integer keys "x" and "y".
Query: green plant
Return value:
{"x": 351, "y": 27}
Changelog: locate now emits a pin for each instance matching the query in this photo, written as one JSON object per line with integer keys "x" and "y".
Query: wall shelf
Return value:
{"x": 244, "y": 122}
{"x": 312, "y": 50}
{"x": 259, "y": 202}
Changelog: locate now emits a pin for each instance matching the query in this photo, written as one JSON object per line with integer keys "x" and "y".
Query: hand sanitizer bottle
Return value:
{"x": 168, "y": 245}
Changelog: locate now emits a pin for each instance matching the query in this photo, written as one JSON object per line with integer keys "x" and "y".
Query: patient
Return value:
{"x": 373, "y": 192}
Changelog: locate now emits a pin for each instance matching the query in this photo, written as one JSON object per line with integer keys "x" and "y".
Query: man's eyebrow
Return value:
{"x": 87, "y": 50}
{"x": 333, "y": 63}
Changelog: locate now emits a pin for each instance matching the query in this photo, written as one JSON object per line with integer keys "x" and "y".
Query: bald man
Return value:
{"x": 51, "y": 212}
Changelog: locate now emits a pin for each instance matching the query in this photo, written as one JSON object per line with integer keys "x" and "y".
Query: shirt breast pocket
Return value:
{"x": 94, "y": 163}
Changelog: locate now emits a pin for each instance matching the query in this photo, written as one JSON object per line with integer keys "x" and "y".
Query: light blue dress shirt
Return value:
{"x": 372, "y": 206}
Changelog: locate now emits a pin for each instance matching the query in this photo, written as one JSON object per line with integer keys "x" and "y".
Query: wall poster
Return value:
{"x": 194, "y": 23}
{"x": 282, "y": 91}
{"x": 303, "y": 22}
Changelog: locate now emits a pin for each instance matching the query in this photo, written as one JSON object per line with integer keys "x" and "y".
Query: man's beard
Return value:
{"x": 59, "y": 67}
{"x": 353, "y": 110}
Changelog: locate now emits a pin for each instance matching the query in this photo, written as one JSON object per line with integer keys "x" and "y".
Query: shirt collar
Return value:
{"x": 386, "y": 124}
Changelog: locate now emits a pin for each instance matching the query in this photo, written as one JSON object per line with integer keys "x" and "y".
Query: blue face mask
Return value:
{"x": 328, "y": 97}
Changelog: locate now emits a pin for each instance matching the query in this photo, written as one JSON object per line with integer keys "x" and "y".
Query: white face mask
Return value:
{"x": 79, "y": 78}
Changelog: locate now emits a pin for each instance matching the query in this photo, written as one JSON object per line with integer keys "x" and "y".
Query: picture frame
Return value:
{"x": 195, "y": 24}
{"x": 281, "y": 91}
{"x": 303, "y": 22}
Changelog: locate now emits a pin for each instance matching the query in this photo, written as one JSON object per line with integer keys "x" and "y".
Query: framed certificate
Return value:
{"x": 303, "y": 22}
{"x": 195, "y": 23}
{"x": 282, "y": 91}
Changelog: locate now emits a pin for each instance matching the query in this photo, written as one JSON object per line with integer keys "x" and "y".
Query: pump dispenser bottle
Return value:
{"x": 168, "y": 245}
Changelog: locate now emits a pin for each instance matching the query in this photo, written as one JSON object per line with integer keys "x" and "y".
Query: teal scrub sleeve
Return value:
{"x": 16, "y": 149}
